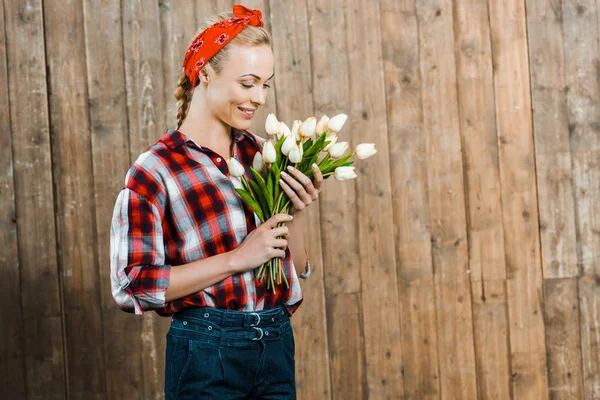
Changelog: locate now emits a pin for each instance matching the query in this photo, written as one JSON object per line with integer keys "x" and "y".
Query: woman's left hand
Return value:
{"x": 300, "y": 189}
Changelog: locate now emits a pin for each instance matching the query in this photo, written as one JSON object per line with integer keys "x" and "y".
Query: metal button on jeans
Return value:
{"x": 206, "y": 315}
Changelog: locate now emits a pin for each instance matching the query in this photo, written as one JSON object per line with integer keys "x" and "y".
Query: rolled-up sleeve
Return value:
{"x": 139, "y": 275}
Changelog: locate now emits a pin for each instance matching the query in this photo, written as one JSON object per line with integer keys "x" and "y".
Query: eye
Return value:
{"x": 268, "y": 86}
{"x": 246, "y": 86}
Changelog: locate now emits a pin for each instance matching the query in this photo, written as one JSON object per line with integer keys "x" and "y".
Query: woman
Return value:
{"x": 185, "y": 245}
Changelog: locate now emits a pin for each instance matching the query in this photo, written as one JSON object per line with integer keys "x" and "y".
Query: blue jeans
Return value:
{"x": 221, "y": 354}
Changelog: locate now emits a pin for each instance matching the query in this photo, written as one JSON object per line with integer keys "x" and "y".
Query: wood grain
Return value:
{"x": 110, "y": 158}
{"x": 519, "y": 200}
{"x": 44, "y": 346}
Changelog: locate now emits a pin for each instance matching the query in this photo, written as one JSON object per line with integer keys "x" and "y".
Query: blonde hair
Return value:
{"x": 249, "y": 36}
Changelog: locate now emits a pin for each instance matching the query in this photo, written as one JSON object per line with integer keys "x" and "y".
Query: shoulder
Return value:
{"x": 148, "y": 175}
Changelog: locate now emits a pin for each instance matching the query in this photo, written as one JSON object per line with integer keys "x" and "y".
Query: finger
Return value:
{"x": 318, "y": 176}
{"x": 309, "y": 187}
{"x": 300, "y": 190}
{"x": 280, "y": 244}
{"x": 277, "y": 219}
{"x": 276, "y": 253}
{"x": 296, "y": 202}
{"x": 281, "y": 231}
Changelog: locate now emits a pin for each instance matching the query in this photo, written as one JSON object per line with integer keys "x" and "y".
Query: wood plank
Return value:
{"x": 110, "y": 157}
{"x": 12, "y": 357}
{"x": 581, "y": 36}
{"x": 339, "y": 231}
{"x": 552, "y": 152}
{"x": 34, "y": 199}
{"x": 487, "y": 264}
{"x": 343, "y": 344}
{"x": 379, "y": 289}
{"x": 147, "y": 123}
{"x": 309, "y": 322}
{"x": 490, "y": 317}
{"x": 75, "y": 205}
{"x": 400, "y": 45}
{"x": 563, "y": 338}
{"x": 446, "y": 201}
{"x": 519, "y": 199}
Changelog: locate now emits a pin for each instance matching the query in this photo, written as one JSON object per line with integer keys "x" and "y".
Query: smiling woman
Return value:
{"x": 186, "y": 246}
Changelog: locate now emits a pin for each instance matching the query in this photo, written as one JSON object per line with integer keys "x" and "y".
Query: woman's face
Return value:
{"x": 243, "y": 84}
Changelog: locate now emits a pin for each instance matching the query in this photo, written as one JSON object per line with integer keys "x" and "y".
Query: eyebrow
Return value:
{"x": 256, "y": 76}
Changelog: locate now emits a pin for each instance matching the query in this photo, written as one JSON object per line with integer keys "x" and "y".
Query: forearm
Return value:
{"x": 296, "y": 240}
{"x": 198, "y": 275}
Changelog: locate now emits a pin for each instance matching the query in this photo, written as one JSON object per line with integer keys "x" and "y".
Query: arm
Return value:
{"x": 296, "y": 240}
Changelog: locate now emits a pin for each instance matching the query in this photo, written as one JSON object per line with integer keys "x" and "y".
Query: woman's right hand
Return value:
{"x": 261, "y": 245}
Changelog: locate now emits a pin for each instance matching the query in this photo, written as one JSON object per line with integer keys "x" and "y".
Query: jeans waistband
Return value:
{"x": 221, "y": 326}
{"x": 231, "y": 318}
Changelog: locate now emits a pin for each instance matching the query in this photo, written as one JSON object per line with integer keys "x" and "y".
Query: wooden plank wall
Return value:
{"x": 464, "y": 263}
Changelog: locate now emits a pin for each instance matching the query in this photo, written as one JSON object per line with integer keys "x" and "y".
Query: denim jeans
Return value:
{"x": 222, "y": 354}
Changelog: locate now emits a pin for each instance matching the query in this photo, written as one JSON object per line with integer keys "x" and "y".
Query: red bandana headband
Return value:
{"x": 215, "y": 37}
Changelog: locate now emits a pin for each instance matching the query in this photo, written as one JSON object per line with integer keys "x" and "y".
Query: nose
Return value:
{"x": 259, "y": 96}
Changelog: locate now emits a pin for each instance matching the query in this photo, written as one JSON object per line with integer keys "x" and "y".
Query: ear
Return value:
{"x": 204, "y": 78}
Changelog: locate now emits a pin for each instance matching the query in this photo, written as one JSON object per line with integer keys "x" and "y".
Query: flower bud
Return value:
{"x": 257, "y": 163}
{"x": 284, "y": 130}
{"x": 287, "y": 145}
{"x": 269, "y": 154}
{"x": 296, "y": 153}
{"x": 272, "y": 125}
{"x": 365, "y": 150}
{"x": 336, "y": 123}
{"x": 337, "y": 149}
{"x": 307, "y": 128}
{"x": 322, "y": 125}
{"x": 331, "y": 138}
{"x": 235, "y": 168}
{"x": 295, "y": 133}
{"x": 344, "y": 173}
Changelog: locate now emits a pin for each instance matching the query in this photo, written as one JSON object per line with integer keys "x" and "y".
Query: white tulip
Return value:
{"x": 269, "y": 154}
{"x": 344, "y": 173}
{"x": 272, "y": 125}
{"x": 322, "y": 125}
{"x": 307, "y": 128}
{"x": 235, "y": 168}
{"x": 284, "y": 130}
{"x": 295, "y": 133}
{"x": 336, "y": 123}
{"x": 258, "y": 163}
{"x": 296, "y": 154}
{"x": 337, "y": 149}
{"x": 287, "y": 145}
{"x": 365, "y": 150}
{"x": 331, "y": 138}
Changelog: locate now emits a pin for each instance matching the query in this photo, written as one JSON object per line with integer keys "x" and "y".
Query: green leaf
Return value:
{"x": 247, "y": 197}
{"x": 276, "y": 175}
{"x": 259, "y": 194}
{"x": 263, "y": 187}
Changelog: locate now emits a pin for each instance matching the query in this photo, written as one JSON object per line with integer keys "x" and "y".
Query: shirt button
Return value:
{"x": 218, "y": 159}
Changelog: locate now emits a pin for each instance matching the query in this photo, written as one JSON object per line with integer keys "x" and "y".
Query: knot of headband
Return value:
{"x": 215, "y": 37}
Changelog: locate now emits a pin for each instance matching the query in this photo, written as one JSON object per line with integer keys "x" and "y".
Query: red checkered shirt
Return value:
{"x": 179, "y": 205}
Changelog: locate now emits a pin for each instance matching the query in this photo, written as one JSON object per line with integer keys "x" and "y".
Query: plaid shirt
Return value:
{"x": 179, "y": 205}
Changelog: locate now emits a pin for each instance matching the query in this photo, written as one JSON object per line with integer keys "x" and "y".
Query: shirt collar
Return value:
{"x": 174, "y": 138}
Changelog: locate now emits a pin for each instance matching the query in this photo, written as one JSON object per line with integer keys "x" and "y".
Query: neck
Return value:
{"x": 203, "y": 127}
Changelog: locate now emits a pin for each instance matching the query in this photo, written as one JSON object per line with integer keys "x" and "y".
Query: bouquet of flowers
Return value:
{"x": 306, "y": 143}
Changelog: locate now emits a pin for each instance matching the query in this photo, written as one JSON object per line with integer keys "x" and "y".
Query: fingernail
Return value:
{"x": 281, "y": 182}
{"x": 315, "y": 166}
{"x": 290, "y": 168}
{"x": 291, "y": 217}
{"x": 283, "y": 174}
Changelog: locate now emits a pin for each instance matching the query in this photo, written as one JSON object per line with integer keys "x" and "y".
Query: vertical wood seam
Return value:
{"x": 93, "y": 197}
{"x": 505, "y": 284}
{"x": 392, "y": 209}
{"x": 321, "y": 233}
{"x": 15, "y": 203}
{"x": 431, "y": 248}
{"x": 55, "y": 208}
{"x": 465, "y": 193}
